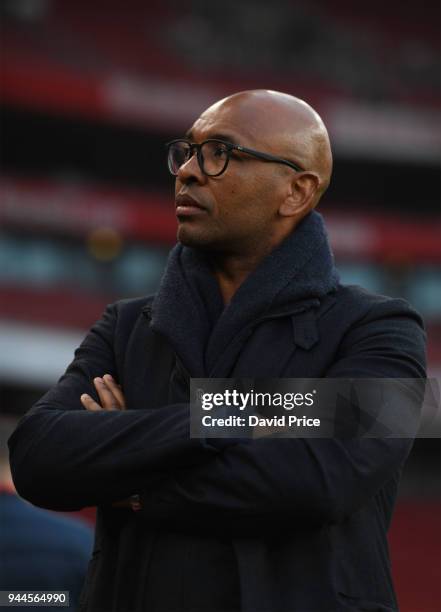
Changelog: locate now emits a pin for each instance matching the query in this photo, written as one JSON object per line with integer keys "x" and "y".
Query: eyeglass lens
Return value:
{"x": 178, "y": 154}
{"x": 213, "y": 157}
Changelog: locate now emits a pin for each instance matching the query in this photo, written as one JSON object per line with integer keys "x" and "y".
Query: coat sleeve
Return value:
{"x": 65, "y": 458}
{"x": 262, "y": 482}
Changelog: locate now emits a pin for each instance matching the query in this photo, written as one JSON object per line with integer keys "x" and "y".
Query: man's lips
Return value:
{"x": 186, "y": 205}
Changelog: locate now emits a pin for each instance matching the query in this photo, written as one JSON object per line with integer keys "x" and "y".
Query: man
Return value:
{"x": 250, "y": 291}
{"x": 39, "y": 551}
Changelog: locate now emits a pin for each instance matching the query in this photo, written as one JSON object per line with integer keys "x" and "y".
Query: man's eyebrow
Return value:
{"x": 217, "y": 136}
{"x": 226, "y": 137}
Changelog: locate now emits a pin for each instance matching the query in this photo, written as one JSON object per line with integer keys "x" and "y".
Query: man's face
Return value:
{"x": 238, "y": 209}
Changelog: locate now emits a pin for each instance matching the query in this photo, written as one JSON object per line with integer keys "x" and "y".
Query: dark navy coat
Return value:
{"x": 305, "y": 520}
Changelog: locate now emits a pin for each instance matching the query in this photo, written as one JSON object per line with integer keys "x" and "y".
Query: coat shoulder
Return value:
{"x": 120, "y": 318}
{"x": 365, "y": 335}
{"x": 356, "y": 303}
{"x": 128, "y": 311}
{"x": 133, "y": 305}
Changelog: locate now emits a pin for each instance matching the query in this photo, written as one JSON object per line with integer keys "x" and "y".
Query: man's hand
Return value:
{"x": 109, "y": 392}
{"x": 112, "y": 398}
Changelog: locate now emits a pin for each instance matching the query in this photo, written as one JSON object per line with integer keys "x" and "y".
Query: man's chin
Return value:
{"x": 189, "y": 237}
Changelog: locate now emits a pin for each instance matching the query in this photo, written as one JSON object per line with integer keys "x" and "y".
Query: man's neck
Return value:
{"x": 232, "y": 268}
{"x": 232, "y": 271}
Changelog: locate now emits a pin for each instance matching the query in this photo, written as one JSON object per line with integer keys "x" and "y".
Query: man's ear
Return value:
{"x": 301, "y": 197}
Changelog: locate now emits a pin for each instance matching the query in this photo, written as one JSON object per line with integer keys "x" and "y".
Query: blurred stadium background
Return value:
{"x": 91, "y": 91}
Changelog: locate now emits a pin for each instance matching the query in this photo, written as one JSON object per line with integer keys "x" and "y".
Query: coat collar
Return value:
{"x": 187, "y": 309}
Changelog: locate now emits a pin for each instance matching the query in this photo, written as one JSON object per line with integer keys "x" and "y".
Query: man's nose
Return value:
{"x": 190, "y": 171}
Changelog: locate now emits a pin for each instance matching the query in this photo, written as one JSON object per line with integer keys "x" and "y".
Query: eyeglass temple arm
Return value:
{"x": 268, "y": 157}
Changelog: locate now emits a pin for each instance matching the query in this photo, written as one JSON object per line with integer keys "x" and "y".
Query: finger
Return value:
{"x": 115, "y": 389}
{"x": 89, "y": 403}
{"x": 108, "y": 400}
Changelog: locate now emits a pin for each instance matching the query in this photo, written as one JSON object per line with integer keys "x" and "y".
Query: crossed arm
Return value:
{"x": 338, "y": 478}
{"x": 68, "y": 452}
{"x": 100, "y": 452}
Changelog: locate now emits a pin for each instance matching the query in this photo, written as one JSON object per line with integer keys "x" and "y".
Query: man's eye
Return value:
{"x": 220, "y": 151}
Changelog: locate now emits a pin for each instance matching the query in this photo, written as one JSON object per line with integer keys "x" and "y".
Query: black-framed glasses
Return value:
{"x": 213, "y": 155}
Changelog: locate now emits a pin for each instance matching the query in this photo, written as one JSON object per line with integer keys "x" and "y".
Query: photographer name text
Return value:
{"x": 253, "y": 420}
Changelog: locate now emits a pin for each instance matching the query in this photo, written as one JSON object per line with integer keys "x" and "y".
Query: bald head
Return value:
{"x": 285, "y": 125}
{"x": 248, "y": 205}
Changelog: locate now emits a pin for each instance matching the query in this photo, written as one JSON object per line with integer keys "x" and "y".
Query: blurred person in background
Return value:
{"x": 226, "y": 525}
{"x": 39, "y": 551}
